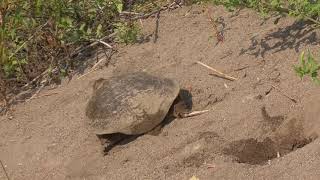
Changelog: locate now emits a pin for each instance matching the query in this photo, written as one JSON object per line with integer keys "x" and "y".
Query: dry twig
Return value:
{"x": 284, "y": 94}
{"x": 219, "y": 73}
{"x": 104, "y": 43}
{"x": 45, "y": 95}
{"x": 194, "y": 113}
{"x": 36, "y": 93}
{"x": 92, "y": 69}
{"x": 80, "y": 49}
{"x": 209, "y": 166}
{"x": 4, "y": 169}
{"x": 95, "y": 66}
{"x": 157, "y": 28}
{"x": 163, "y": 8}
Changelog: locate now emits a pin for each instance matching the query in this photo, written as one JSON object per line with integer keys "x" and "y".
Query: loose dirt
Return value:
{"x": 252, "y": 131}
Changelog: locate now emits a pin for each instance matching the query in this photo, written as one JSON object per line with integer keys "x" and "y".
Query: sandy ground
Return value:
{"x": 253, "y": 131}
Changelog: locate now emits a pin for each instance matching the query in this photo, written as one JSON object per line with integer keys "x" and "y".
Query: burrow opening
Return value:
{"x": 285, "y": 139}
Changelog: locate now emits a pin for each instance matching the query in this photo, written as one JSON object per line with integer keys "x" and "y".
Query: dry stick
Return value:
{"x": 188, "y": 12}
{"x": 4, "y": 169}
{"x": 94, "y": 67}
{"x": 35, "y": 79}
{"x": 78, "y": 50}
{"x": 104, "y": 43}
{"x": 129, "y": 13}
{"x": 163, "y": 8}
{"x": 209, "y": 165}
{"x": 36, "y": 93}
{"x": 291, "y": 98}
{"x": 157, "y": 28}
{"x": 221, "y": 74}
{"x": 194, "y": 113}
{"x": 45, "y": 95}
{"x": 241, "y": 68}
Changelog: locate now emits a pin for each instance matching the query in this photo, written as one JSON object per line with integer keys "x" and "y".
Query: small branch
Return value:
{"x": 194, "y": 113}
{"x": 35, "y": 79}
{"x": 147, "y": 15}
{"x": 77, "y": 51}
{"x": 278, "y": 89}
{"x": 4, "y": 169}
{"x": 209, "y": 166}
{"x": 92, "y": 69}
{"x": 157, "y": 28}
{"x": 45, "y": 95}
{"x": 129, "y": 13}
{"x": 221, "y": 74}
{"x": 241, "y": 68}
{"x": 104, "y": 43}
{"x": 36, "y": 93}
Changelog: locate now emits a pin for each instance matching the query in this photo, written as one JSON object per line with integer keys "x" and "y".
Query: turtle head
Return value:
{"x": 180, "y": 109}
{"x": 183, "y": 104}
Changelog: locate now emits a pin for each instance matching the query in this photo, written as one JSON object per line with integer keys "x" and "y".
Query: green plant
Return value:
{"x": 302, "y": 9}
{"x": 308, "y": 67}
{"x": 44, "y": 31}
{"x": 127, "y": 32}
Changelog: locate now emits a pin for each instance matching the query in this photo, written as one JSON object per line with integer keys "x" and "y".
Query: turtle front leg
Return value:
{"x": 108, "y": 141}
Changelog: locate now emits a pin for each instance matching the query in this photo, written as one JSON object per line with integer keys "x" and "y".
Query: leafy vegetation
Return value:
{"x": 303, "y": 9}
{"x": 42, "y": 32}
{"x": 127, "y": 32}
{"x": 308, "y": 66}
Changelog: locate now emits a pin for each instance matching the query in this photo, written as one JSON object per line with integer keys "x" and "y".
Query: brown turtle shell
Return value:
{"x": 132, "y": 103}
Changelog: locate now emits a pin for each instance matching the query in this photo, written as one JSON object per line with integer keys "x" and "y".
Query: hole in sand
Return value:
{"x": 251, "y": 151}
{"x": 287, "y": 138}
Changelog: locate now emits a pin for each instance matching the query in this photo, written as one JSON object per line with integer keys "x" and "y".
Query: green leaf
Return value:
{"x": 119, "y": 5}
{"x": 82, "y": 27}
{"x": 99, "y": 31}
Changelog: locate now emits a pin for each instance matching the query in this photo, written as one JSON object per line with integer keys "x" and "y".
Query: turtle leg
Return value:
{"x": 109, "y": 141}
{"x": 157, "y": 130}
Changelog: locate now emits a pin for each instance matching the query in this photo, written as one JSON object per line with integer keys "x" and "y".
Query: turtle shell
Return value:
{"x": 132, "y": 103}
